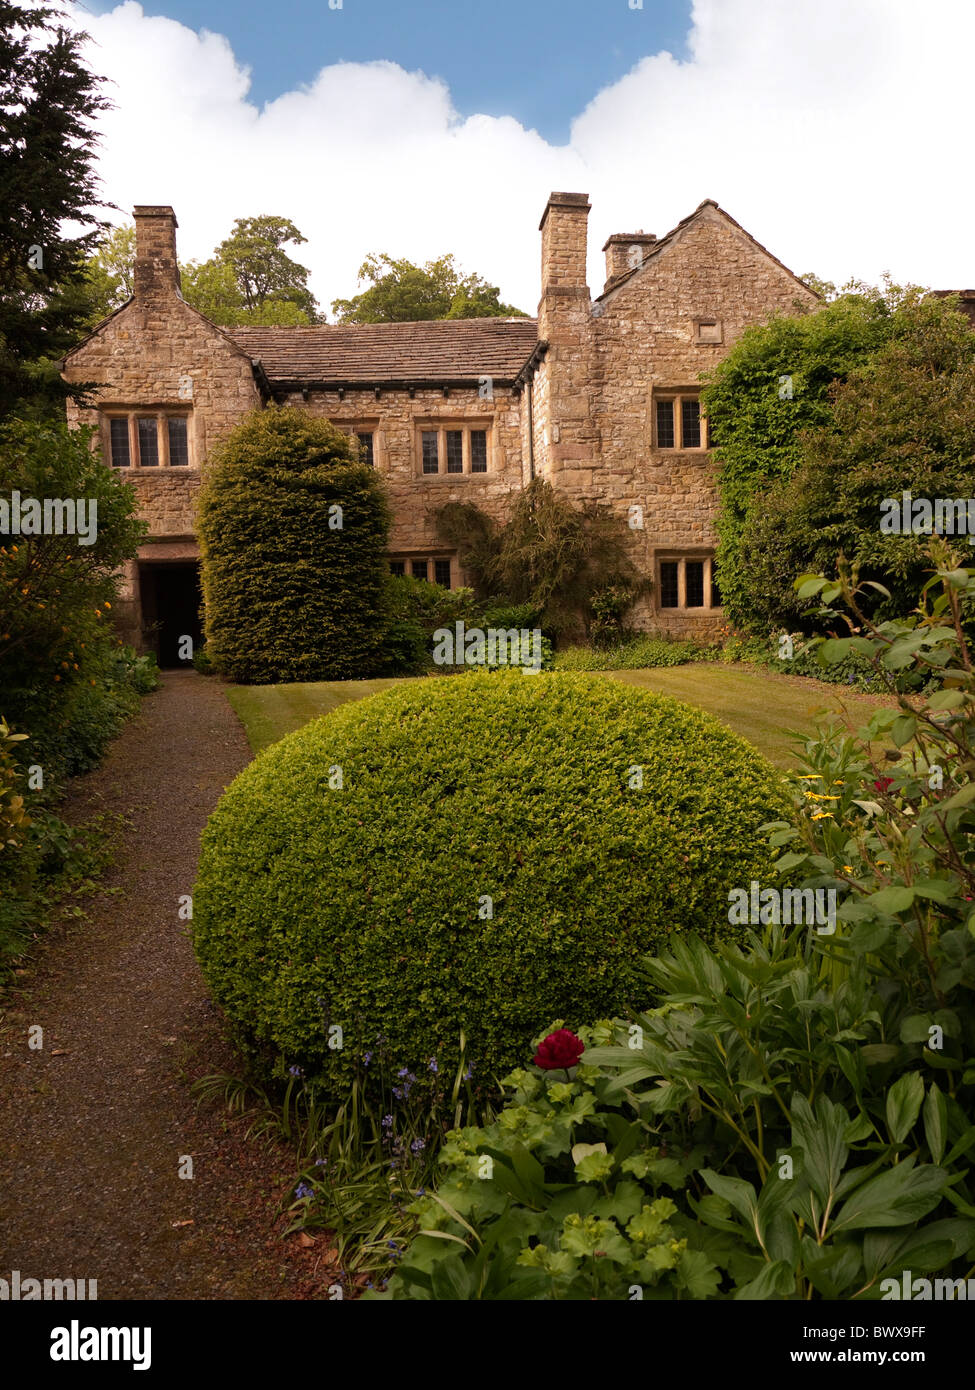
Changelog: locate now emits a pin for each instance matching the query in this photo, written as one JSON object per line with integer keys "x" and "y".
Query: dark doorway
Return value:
{"x": 171, "y": 603}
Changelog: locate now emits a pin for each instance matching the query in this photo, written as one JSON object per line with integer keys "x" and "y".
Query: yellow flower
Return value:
{"x": 848, "y": 868}
{"x": 823, "y": 815}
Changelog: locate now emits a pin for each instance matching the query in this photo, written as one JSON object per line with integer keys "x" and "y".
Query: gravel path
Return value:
{"x": 93, "y": 1127}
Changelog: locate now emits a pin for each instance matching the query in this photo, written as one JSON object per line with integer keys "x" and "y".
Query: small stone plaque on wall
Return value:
{"x": 707, "y": 330}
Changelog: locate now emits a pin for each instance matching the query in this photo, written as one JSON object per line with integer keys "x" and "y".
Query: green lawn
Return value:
{"x": 761, "y": 706}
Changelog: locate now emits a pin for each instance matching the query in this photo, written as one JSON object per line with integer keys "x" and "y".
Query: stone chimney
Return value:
{"x": 565, "y": 376}
{"x": 625, "y": 251}
{"x": 156, "y": 268}
{"x": 563, "y": 229}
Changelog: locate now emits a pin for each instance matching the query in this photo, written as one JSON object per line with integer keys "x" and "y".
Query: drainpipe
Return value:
{"x": 529, "y": 392}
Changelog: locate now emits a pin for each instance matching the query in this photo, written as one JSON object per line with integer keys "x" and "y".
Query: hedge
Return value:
{"x": 365, "y": 905}
{"x": 292, "y": 542}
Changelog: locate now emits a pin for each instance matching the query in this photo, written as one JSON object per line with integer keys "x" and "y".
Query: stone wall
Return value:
{"x": 157, "y": 355}
{"x": 652, "y": 332}
{"x": 395, "y": 419}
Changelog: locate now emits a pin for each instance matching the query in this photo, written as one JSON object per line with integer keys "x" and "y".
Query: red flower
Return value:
{"x": 883, "y": 783}
{"x": 560, "y": 1049}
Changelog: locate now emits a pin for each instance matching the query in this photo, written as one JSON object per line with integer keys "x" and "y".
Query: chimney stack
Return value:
{"x": 156, "y": 268}
{"x": 563, "y": 229}
{"x": 565, "y": 376}
{"x": 625, "y": 251}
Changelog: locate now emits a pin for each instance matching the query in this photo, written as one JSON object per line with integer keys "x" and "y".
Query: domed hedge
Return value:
{"x": 366, "y": 904}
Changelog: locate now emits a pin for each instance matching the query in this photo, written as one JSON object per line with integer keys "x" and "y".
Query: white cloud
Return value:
{"x": 834, "y": 130}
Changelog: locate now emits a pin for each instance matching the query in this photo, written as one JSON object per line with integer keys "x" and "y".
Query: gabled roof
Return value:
{"x": 437, "y": 351}
{"x": 103, "y": 323}
{"x": 667, "y": 240}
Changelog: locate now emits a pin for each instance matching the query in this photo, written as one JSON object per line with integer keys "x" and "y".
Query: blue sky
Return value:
{"x": 541, "y": 61}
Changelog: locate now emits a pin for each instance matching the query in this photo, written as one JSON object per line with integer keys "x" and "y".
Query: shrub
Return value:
{"x": 549, "y": 554}
{"x": 202, "y": 661}
{"x": 366, "y": 904}
{"x": 637, "y": 654}
{"x": 765, "y": 651}
{"x": 414, "y": 610}
{"x": 608, "y": 607}
{"x": 71, "y": 735}
{"x": 772, "y": 386}
{"x": 803, "y": 478}
{"x": 41, "y": 857}
{"x": 56, "y": 593}
{"x": 14, "y": 819}
{"x": 292, "y": 540}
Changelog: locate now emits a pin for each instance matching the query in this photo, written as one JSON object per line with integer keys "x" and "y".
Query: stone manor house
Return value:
{"x": 600, "y": 396}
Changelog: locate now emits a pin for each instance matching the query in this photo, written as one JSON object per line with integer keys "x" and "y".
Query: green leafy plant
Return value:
{"x": 362, "y": 1160}
{"x": 638, "y": 653}
{"x": 608, "y": 607}
{"x": 559, "y": 1197}
{"x": 548, "y": 553}
{"x": 499, "y": 846}
{"x": 292, "y": 540}
{"x": 414, "y": 610}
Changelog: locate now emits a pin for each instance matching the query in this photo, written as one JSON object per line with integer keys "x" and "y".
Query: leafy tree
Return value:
{"x": 265, "y": 285}
{"x": 48, "y": 100}
{"x": 401, "y": 292}
{"x": 56, "y": 590}
{"x": 904, "y": 420}
{"x": 549, "y": 553}
{"x": 774, "y": 384}
{"x": 111, "y": 272}
{"x": 249, "y": 279}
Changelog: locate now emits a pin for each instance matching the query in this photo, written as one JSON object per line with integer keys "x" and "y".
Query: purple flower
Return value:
{"x": 295, "y": 1071}
{"x": 418, "y": 1146}
{"x": 320, "y": 1162}
{"x": 303, "y": 1190}
{"x": 387, "y": 1122}
{"x": 468, "y": 1073}
{"x": 367, "y": 1057}
{"x": 432, "y": 1065}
